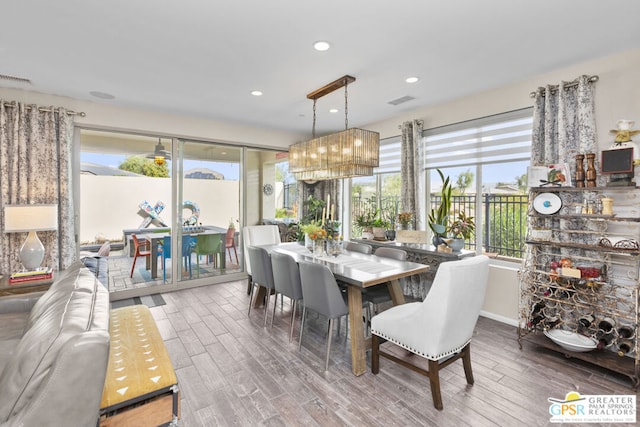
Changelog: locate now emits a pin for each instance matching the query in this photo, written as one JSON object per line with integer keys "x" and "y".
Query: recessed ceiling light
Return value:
{"x": 256, "y": 93}
{"x": 321, "y": 45}
{"x": 333, "y": 110}
{"x": 411, "y": 79}
{"x": 101, "y": 95}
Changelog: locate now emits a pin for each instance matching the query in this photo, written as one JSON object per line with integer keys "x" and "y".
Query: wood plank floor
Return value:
{"x": 234, "y": 372}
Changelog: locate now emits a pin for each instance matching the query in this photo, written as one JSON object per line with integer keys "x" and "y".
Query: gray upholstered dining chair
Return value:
{"x": 358, "y": 247}
{"x": 438, "y": 329}
{"x": 262, "y": 276}
{"x": 286, "y": 278}
{"x": 257, "y": 235}
{"x": 380, "y": 293}
{"x": 322, "y": 295}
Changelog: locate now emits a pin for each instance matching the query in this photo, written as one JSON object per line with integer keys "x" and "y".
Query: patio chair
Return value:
{"x": 188, "y": 244}
{"x": 209, "y": 245}
{"x": 139, "y": 250}
{"x": 231, "y": 243}
{"x": 440, "y": 328}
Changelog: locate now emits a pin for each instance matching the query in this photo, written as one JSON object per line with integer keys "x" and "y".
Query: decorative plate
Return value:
{"x": 547, "y": 203}
{"x": 571, "y": 341}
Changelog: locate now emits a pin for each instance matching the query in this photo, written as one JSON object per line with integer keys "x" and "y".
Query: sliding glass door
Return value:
{"x": 208, "y": 207}
{"x": 171, "y": 209}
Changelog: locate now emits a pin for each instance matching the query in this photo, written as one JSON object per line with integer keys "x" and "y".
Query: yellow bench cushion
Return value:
{"x": 139, "y": 364}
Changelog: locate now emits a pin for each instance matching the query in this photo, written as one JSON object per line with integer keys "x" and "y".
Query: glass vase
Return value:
{"x": 318, "y": 248}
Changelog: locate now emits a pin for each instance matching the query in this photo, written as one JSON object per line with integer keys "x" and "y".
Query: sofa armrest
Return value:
{"x": 19, "y": 303}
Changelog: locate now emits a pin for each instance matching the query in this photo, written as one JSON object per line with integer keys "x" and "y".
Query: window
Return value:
{"x": 486, "y": 160}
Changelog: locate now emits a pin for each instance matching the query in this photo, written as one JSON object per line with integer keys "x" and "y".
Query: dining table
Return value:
{"x": 154, "y": 240}
{"x": 359, "y": 271}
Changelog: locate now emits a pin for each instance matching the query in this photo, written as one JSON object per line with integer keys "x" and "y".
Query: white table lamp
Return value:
{"x": 30, "y": 218}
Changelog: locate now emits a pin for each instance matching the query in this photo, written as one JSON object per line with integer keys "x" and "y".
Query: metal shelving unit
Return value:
{"x": 603, "y": 280}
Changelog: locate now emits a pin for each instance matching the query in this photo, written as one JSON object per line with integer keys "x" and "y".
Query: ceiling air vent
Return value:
{"x": 15, "y": 79}
{"x": 401, "y": 100}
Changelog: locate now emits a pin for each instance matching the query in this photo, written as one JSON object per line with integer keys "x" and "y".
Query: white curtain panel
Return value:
{"x": 563, "y": 123}
{"x": 35, "y": 168}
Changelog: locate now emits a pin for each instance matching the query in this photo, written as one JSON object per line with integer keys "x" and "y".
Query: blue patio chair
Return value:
{"x": 188, "y": 243}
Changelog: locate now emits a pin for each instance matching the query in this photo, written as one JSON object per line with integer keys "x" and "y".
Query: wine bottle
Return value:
{"x": 625, "y": 332}
{"x": 606, "y": 324}
{"x": 551, "y": 322}
{"x": 604, "y": 340}
{"x": 586, "y": 320}
{"x": 537, "y": 307}
{"x": 624, "y": 347}
{"x": 539, "y": 317}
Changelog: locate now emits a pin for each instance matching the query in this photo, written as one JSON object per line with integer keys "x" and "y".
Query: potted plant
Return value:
{"x": 379, "y": 227}
{"x": 461, "y": 230}
{"x": 439, "y": 217}
{"x": 364, "y": 222}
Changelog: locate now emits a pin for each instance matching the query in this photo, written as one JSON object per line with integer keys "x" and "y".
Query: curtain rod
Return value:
{"x": 591, "y": 79}
{"x": 47, "y": 110}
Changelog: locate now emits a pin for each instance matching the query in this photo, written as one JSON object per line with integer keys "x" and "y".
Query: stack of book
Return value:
{"x": 32, "y": 275}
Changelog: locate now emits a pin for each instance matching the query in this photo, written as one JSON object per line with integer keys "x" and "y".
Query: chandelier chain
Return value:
{"x": 313, "y": 128}
{"x": 346, "y": 105}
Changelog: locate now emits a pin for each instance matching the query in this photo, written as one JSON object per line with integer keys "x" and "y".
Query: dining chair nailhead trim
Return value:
{"x": 426, "y": 356}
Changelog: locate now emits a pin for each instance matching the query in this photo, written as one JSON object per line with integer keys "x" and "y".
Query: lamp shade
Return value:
{"x": 26, "y": 218}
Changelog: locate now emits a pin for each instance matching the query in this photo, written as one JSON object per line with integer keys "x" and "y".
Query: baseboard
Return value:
{"x": 498, "y": 318}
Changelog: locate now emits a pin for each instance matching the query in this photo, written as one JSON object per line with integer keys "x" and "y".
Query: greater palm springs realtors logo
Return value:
{"x": 593, "y": 408}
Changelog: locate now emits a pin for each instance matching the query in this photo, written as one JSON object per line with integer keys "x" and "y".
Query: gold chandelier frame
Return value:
{"x": 349, "y": 153}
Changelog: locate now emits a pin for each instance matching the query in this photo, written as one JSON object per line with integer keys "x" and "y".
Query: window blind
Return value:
{"x": 504, "y": 137}
{"x": 500, "y": 138}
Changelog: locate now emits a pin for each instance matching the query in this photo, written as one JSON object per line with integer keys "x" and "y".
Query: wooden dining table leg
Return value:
{"x": 395, "y": 290}
{"x": 358, "y": 351}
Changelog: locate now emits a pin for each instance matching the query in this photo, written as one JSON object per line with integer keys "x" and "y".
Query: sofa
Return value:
{"x": 54, "y": 348}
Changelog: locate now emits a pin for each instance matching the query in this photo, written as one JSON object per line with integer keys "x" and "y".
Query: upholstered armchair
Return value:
{"x": 440, "y": 328}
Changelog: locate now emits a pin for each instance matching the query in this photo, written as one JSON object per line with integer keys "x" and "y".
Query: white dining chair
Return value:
{"x": 440, "y": 328}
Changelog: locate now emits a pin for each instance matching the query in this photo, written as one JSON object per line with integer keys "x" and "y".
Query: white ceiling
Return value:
{"x": 202, "y": 57}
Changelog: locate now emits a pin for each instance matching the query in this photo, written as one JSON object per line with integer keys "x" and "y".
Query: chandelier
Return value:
{"x": 349, "y": 153}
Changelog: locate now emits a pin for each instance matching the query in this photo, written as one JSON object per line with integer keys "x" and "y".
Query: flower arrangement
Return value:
{"x": 462, "y": 227}
{"x": 314, "y": 231}
{"x": 405, "y": 218}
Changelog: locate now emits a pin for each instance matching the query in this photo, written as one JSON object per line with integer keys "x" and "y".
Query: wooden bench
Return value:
{"x": 141, "y": 388}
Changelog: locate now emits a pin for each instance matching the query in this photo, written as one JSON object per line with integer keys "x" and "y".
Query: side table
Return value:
{"x": 23, "y": 287}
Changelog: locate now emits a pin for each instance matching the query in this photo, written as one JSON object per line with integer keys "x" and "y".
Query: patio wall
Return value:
{"x": 109, "y": 204}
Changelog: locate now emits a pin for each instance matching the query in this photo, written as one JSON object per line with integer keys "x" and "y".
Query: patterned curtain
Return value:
{"x": 412, "y": 185}
{"x": 35, "y": 168}
{"x": 412, "y": 193}
{"x": 563, "y": 123}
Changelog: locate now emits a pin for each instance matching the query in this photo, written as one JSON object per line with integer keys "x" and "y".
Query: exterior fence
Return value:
{"x": 504, "y": 223}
